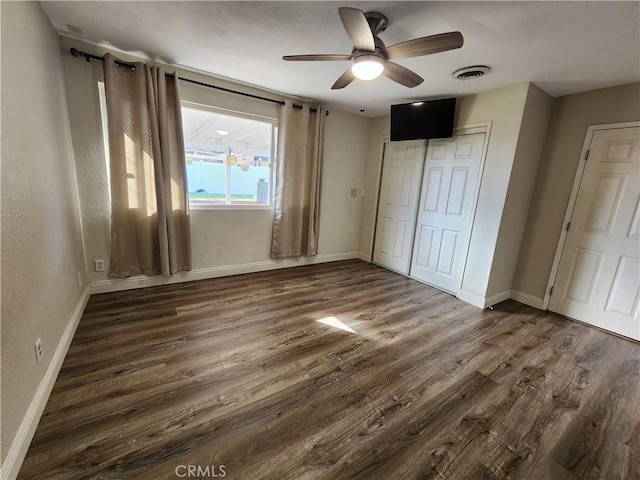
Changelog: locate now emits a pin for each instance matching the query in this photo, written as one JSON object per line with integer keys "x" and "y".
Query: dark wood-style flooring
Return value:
{"x": 237, "y": 375}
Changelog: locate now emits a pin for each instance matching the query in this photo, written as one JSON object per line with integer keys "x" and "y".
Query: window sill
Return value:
{"x": 231, "y": 207}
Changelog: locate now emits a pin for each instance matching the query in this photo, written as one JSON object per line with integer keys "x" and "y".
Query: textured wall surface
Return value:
{"x": 378, "y": 134}
{"x": 504, "y": 108}
{"x": 570, "y": 117}
{"x": 41, "y": 234}
{"x": 345, "y": 164}
{"x": 533, "y": 131}
{"x": 221, "y": 238}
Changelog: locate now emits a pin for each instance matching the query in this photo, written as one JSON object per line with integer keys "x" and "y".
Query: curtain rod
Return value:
{"x": 88, "y": 56}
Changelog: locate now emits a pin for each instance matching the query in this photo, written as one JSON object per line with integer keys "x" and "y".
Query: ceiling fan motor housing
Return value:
{"x": 377, "y": 21}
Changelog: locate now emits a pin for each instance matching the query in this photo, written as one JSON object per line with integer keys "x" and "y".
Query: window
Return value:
{"x": 229, "y": 157}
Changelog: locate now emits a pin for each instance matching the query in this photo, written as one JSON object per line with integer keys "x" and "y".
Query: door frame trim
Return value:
{"x": 586, "y": 145}
{"x": 383, "y": 144}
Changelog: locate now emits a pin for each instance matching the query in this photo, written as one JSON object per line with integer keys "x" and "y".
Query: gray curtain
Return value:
{"x": 150, "y": 228}
{"x": 297, "y": 202}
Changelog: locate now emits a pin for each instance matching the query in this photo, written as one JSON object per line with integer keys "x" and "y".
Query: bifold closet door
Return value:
{"x": 397, "y": 204}
{"x": 447, "y": 202}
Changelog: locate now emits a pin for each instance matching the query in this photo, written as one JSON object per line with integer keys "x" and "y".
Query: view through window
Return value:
{"x": 229, "y": 157}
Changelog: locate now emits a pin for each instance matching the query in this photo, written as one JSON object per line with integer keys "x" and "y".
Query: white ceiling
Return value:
{"x": 563, "y": 47}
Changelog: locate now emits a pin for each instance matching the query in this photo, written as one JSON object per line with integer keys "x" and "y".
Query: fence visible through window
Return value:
{"x": 229, "y": 158}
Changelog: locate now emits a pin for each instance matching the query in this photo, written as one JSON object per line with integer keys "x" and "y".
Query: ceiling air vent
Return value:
{"x": 468, "y": 73}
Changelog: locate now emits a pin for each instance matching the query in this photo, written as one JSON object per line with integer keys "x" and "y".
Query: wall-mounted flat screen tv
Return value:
{"x": 422, "y": 120}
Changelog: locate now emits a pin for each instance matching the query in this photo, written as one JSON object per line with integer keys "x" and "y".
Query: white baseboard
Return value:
{"x": 481, "y": 301}
{"x": 535, "y": 302}
{"x": 497, "y": 298}
{"x": 364, "y": 256}
{"x": 472, "y": 298}
{"x": 104, "y": 286}
{"x": 20, "y": 445}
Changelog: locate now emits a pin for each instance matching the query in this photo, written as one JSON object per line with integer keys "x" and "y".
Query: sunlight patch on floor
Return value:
{"x": 334, "y": 322}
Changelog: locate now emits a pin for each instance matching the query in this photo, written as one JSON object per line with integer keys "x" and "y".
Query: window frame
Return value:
{"x": 274, "y": 149}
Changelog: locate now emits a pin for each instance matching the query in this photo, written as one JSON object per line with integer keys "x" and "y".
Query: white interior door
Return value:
{"x": 401, "y": 172}
{"x": 447, "y": 202}
{"x": 598, "y": 278}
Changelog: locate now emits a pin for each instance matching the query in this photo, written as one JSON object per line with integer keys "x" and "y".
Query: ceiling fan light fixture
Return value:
{"x": 367, "y": 67}
{"x": 370, "y": 57}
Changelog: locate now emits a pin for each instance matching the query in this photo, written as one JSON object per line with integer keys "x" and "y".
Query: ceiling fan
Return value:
{"x": 370, "y": 57}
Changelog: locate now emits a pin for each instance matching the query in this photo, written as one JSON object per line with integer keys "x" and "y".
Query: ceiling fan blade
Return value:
{"x": 358, "y": 29}
{"x": 426, "y": 45}
{"x": 316, "y": 58}
{"x": 402, "y": 75}
{"x": 345, "y": 79}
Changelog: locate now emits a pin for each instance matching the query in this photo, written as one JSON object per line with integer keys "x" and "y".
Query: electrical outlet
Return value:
{"x": 38, "y": 348}
{"x": 99, "y": 264}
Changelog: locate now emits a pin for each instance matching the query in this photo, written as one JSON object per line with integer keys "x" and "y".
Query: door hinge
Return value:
{"x": 586, "y": 155}
{"x": 568, "y": 226}
{"x": 551, "y": 290}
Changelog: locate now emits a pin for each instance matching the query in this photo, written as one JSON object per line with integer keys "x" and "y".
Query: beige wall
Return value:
{"x": 504, "y": 108}
{"x": 533, "y": 130}
{"x": 570, "y": 117}
{"x": 378, "y": 132}
{"x": 345, "y": 166}
{"x": 222, "y": 240}
{"x": 41, "y": 237}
